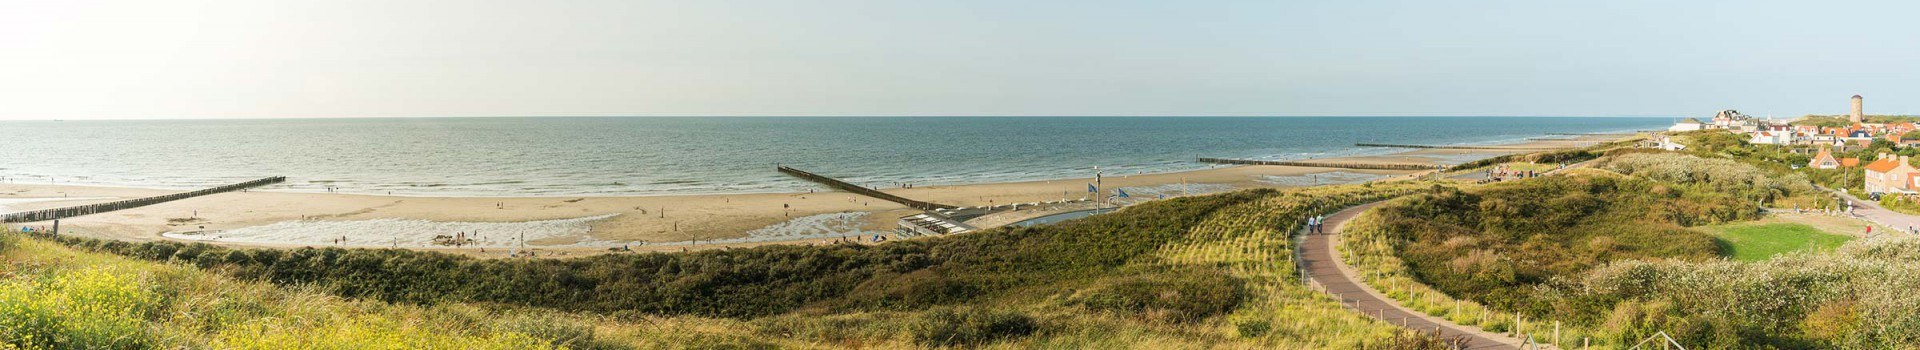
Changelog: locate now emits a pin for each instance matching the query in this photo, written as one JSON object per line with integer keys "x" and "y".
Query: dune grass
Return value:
{"x": 1204, "y": 272}
{"x": 54, "y": 297}
{"x": 1762, "y": 241}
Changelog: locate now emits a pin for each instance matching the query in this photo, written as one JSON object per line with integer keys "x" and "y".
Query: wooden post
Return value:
{"x": 1584, "y": 342}
{"x": 1556, "y": 332}
{"x": 56, "y": 227}
{"x": 1516, "y": 325}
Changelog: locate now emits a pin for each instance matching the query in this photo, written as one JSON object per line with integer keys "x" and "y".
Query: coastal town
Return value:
{"x": 1877, "y": 150}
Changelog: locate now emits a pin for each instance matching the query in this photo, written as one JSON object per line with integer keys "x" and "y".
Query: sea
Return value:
{"x": 618, "y": 156}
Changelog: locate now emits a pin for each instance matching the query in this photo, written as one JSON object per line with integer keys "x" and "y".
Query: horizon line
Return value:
{"x": 849, "y": 116}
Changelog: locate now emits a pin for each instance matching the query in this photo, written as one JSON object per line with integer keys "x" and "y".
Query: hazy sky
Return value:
{"x": 73, "y": 59}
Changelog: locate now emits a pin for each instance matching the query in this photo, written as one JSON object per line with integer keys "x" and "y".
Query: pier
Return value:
{"x": 857, "y": 189}
{"x": 67, "y": 212}
{"x": 1389, "y": 145}
{"x": 1365, "y": 166}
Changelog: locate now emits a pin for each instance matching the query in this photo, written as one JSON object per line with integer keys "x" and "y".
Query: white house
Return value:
{"x": 1685, "y": 125}
{"x": 1666, "y": 143}
{"x": 1771, "y": 138}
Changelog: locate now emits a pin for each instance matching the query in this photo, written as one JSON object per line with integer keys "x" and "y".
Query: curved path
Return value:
{"x": 1335, "y": 277}
{"x": 1872, "y": 212}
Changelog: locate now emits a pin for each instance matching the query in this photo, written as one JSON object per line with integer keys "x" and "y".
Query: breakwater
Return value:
{"x": 1365, "y": 166}
{"x": 1601, "y": 133}
{"x": 857, "y": 189}
{"x": 67, "y": 212}
{"x": 1390, "y": 145}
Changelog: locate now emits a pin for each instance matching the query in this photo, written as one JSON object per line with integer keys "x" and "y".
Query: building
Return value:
{"x": 1770, "y": 138}
{"x": 1857, "y": 116}
{"x": 1666, "y": 143}
{"x": 1824, "y": 160}
{"x": 1688, "y": 124}
{"x": 1731, "y": 120}
{"x": 1890, "y": 174}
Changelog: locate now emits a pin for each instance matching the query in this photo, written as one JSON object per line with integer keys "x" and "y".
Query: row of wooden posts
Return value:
{"x": 1371, "y": 166}
{"x": 857, "y": 189}
{"x": 67, "y": 212}
{"x": 1393, "y": 145}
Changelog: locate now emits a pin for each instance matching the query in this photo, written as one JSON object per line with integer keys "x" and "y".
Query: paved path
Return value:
{"x": 1318, "y": 259}
{"x": 1872, "y": 212}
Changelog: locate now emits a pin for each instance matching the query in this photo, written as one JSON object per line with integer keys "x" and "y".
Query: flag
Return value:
{"x": 1123, "y": 193}
{"x": 1090, "y": 188}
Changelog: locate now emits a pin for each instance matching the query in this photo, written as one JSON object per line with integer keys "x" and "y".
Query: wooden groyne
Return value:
{"x": 67, "y": 212}
{"x": 1366, "y": 166}
{"x": 857, "y": 189}
{"x": 1600, "y": 133}
{"x": 1389, "y": 145}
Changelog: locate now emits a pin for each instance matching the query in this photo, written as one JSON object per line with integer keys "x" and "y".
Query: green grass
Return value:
{"x": 1751, "y": 242}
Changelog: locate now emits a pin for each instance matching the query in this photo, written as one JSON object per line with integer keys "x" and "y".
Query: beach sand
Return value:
{"x": 686, "y": 218}
{"x": 665, "y": 222}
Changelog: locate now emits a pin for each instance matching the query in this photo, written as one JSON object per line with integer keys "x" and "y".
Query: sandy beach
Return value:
{"x": 587, "y": 224}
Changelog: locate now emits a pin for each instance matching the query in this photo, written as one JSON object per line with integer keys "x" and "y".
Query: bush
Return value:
{"x": 1712, "y": 177}
{"x": 1171, "y": 298}
{"x": 967, "y": 326}
{"x": 85, "y": 309}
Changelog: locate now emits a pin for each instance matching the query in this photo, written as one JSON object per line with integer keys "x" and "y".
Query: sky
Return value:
{"x": 80, "y": 59}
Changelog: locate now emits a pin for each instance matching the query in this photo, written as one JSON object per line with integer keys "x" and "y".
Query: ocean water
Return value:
{"x": 664, "y": 156}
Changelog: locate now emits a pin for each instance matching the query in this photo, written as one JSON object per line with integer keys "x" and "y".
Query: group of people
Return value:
{"x": 854, "y": 239}
{"x": 33, "y": 229}
{"x": 1316, "y": 224}
{"x": 1504, "y": 173}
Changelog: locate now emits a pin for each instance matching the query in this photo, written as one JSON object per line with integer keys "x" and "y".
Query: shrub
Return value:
{"x": 84, "y": 309}
{"x": 1179, "y": 298}
{"x": 969, "y": 326}
{"x": 1856, "y": 297}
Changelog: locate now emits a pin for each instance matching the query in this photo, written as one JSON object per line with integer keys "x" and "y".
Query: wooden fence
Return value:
{"x": 67, "y": 212}
{"x": 1369, "y": 166}
{"x": 857, "y": 189}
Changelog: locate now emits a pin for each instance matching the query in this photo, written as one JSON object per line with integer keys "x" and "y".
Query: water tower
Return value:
{"x": 1857, "y": 117}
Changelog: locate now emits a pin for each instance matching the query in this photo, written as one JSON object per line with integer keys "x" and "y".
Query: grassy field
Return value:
{"x": 1758, "y": 241}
